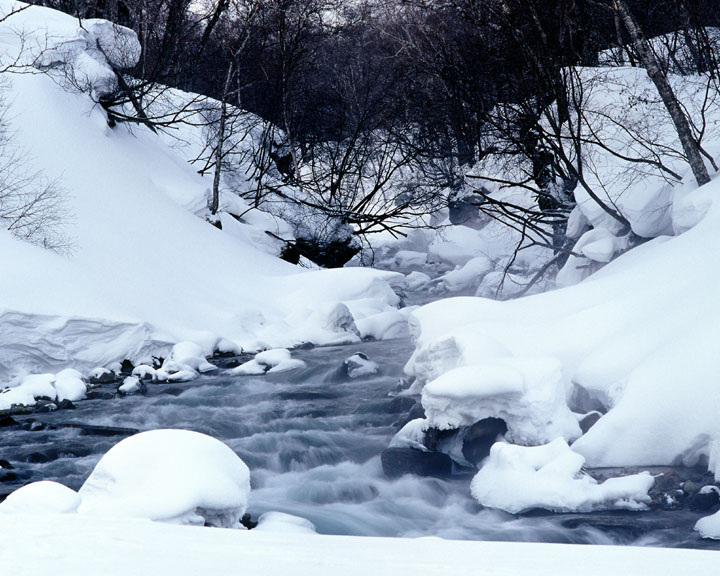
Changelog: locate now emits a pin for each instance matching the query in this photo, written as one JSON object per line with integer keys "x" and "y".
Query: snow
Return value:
{"x": 519, "y": 478}
{"x": 529, "y": 394}
{"x": 41, "y": 498}
{"x": 279, "y": 522}
{"x": 640, "y": 336}
{"x": 65, "y": 545}
{"x": 176, "y": 476}
{"x": 360, "y": 365}
{"x": 144, "y": 271}
{"x": 130, "y": 385}
{"x": 269, "y": 361}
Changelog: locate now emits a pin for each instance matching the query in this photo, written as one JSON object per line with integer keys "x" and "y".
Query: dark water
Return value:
{"x": 312, "y": 441}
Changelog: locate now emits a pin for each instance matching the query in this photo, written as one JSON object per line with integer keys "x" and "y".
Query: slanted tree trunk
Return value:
{"x": 656, "y": 74}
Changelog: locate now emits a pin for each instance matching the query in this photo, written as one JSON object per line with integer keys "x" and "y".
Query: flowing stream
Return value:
{"x": 312, "y": 440}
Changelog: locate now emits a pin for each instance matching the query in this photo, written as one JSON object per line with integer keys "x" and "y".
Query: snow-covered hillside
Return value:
{"x": 143, "y": 271}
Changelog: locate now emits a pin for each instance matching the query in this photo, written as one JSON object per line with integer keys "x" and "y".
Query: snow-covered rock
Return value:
{"x": 528, "y": 394}
{"x": 175, "y": 476}
{"x": 519, "y": 478}
{"x": 43, "y": 497}
{"x": 268, "y": 362}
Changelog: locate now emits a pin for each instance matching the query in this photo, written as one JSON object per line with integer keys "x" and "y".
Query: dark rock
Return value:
{"x": 248, "y": 522}
{"x": 8, "y": 476}
{"x": 37, "y": 458}
{"x": 173, "y": 391}
{"x": 5, "y": 464}
{"x": 582, "y": 402}
{"x": 479, "y": 437}
{"x": 328, "y": 254}
{"x": 65, "y": 405}
{"x": 304, "y": 346}
{"x": 99, "y": 395}
{"x": 704, "y": 501}
{"x": 433, "y": 437}
{"x": 43, "y": 407}
{"x": 91, "y": 429}
{"x": 126, "y": 367}
{"x": 32, "y": 425}
{"x": 6, "y": 420}
{"x": 103, "y": 378}
{"x": 589, "y": 420}
{"x": 465, "y": 211}
{"x": 399, "y": 461}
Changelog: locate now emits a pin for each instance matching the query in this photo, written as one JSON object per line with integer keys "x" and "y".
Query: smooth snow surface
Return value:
{"x": 174, "y": 476}
{"x": 67, "y": 545}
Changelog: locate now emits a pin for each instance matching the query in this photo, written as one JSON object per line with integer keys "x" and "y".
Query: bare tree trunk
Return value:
{"x": 656, "y": 74}
{"x": 215, "y": 198}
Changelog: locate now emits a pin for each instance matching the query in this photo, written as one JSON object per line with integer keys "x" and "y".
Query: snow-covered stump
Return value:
{"x": 175, "y": 476}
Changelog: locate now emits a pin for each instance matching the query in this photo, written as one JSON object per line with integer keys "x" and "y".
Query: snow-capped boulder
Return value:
{"x": 279, "y": 522}
{"x": 271, "y": 361}
{"x": 518, "y": 478}
{"x": 175, "y": 476}
{"x": 528, "y": 394}
{"x": 69, "y": 385}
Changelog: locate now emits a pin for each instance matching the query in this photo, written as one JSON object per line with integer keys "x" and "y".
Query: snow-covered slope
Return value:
{"x": 143, "y": 271}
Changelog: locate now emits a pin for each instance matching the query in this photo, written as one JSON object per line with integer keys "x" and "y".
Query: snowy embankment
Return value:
{"x": 65, "y": 544}
{"x": 144, "y": 271}
{"x": 638, "y": 339}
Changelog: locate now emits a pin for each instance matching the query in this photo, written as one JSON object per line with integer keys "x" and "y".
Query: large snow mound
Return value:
{"x": 520, "y": 478}
{"x": 639, "y": 336}
{"x": 175, "y": 476}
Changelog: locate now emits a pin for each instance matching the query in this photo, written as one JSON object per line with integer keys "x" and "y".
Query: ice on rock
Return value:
{"x": 145, "y": 372}
{"x": 269, "y": 361}
{"x": 529, "y": 394}
{"x": 44, "y": 497}
{"x": 175, "y": 476}
{"x": 519, "y": 478}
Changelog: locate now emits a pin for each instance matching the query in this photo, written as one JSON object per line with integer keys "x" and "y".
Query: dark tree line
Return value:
{"x": 364, "y": 94}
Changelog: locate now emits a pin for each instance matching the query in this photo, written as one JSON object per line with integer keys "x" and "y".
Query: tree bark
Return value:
{"x": 656, "y": 74}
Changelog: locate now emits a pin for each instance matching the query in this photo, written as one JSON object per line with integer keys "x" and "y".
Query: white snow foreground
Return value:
{"x": 145, "y": 271}
{"x": 640, "y": 337}
{"x": 519, "y": 478}
{"x": 66, "y": 545}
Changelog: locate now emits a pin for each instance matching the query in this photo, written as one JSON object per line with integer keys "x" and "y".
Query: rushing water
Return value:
{"x": 312, "y": 440}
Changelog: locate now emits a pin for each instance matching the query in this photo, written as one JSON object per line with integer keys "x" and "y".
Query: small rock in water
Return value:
{"x": 101, "y": 376}
{"x": 356, "y": 366}
{"x": 132, "y": 385}
{"x": 65, "y": 405}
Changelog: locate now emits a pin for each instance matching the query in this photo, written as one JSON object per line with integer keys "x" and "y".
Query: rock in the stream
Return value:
{"x": 356, "y": 366}
{"x": 132, "y": 385}
{"x": 401, "y": 460}
{"x": 479, "y": 438}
